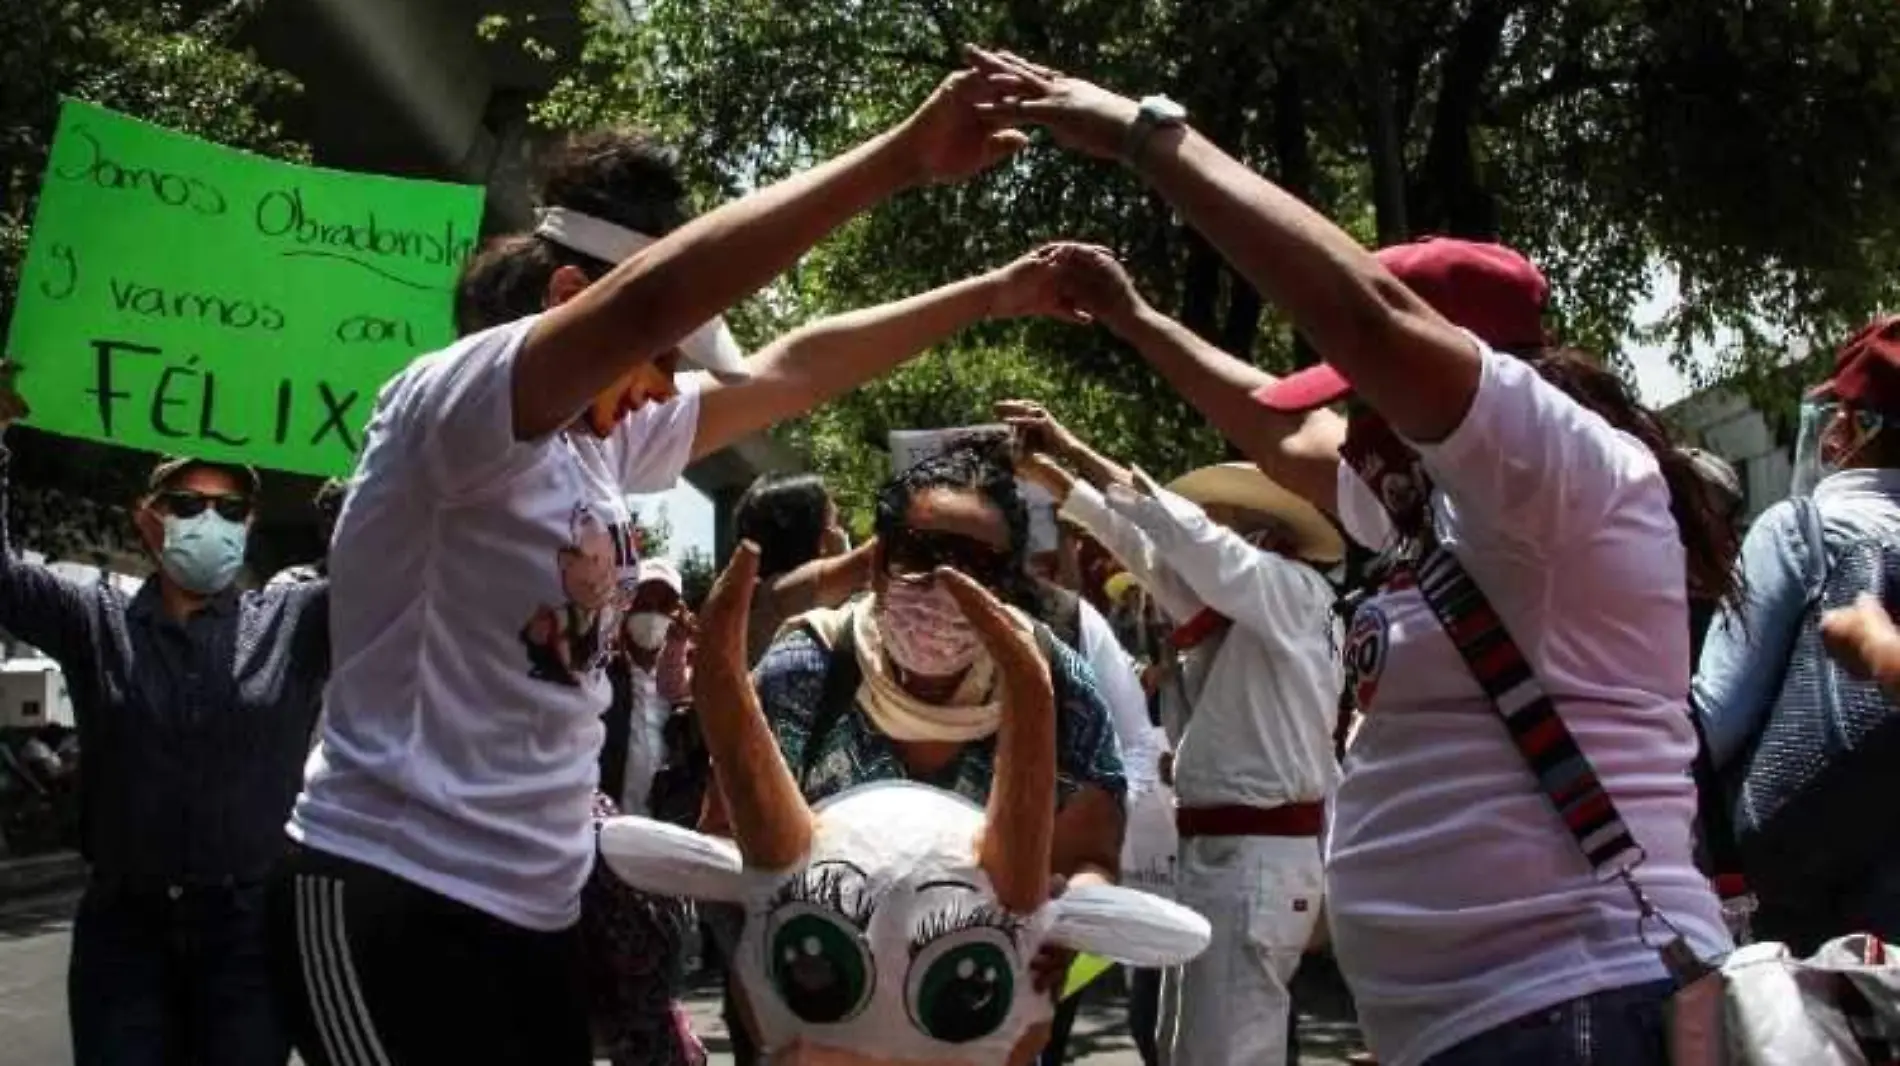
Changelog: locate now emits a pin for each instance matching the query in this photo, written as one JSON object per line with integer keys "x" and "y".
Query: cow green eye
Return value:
{"x": 962, "y": 987}
{"x": 820, "y": 964}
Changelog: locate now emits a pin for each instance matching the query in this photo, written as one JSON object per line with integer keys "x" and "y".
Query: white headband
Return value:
{"x": 588, "y": 235}
{"x": 711, "y": 346}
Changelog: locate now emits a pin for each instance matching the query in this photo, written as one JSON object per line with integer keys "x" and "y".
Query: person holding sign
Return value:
{"x": 195, "y": 703}
{"x": 428, "y": 912}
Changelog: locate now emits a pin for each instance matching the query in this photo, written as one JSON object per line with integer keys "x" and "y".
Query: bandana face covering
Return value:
{"x": 924, "y": 631}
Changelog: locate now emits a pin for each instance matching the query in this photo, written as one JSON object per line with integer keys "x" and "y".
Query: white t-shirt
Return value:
{"x": 1127, "y": 704}
{"x": 475, "y": 583}
{"x": 1458, "y": 899}
{"x": 646, "y": 740}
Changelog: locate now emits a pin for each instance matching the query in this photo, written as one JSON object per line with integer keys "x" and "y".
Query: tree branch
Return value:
{"x": 1448, "y": 195}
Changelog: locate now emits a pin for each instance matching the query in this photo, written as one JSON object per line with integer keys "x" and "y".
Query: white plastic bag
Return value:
{"x": 1150, "y": 843}
{"x": 1839, "y": 1008}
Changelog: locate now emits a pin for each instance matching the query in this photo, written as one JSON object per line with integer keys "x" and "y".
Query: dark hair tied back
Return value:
{"x": 786, "y": 516}
{"x": 1710, "y": 539}
{"x": 617, "y": 175}
{"x": 983, "y": 466}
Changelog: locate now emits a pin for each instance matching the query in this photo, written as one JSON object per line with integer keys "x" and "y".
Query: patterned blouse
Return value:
{"x": 791, "y": 682}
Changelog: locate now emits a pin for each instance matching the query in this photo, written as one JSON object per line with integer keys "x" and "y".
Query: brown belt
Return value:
{"x": 1290, "y": 820}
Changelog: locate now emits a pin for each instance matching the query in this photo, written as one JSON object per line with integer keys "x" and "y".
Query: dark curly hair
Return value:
{"x": 785, "y": 515}
{"x": 1702, "y": 513}
{"x": 982, "y": 466}
{"x": 617, "y": 175}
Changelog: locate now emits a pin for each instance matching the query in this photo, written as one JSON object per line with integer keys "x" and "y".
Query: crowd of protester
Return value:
{"x": 1414, "y": 679}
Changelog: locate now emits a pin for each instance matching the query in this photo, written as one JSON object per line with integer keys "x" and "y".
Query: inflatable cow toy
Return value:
{"x": 894, "y": 922}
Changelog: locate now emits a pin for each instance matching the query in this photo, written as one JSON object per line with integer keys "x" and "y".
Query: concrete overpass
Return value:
{"x": 407, "y": 87}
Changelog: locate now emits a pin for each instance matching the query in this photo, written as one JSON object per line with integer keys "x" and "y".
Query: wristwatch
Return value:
{"x": 1155, "y": 113}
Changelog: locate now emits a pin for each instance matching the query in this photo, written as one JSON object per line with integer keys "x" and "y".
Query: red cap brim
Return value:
{"x": 1304, "y": 390}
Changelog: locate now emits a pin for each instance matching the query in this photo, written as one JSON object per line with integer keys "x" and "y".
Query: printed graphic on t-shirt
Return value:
{"x": 1365, "y": 654}
{"x": 574, "y": 640}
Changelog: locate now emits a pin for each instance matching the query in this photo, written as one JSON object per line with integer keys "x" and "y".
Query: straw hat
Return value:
{"x": 1243, "y": 486}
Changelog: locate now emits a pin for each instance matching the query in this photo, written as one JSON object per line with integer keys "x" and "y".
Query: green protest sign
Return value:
{"x": 180, "y": 296}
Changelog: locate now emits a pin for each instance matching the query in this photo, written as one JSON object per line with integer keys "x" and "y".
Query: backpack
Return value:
{"x": 843, "y": 676}
{"x": 1812, "y": 803}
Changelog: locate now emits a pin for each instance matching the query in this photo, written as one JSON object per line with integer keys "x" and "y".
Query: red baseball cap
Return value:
{"x": 1867, "y": 369}
{"x": 1489, "y": 289}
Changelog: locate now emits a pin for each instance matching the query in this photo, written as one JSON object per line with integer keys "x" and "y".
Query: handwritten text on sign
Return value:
{"x": 183, "y": 297}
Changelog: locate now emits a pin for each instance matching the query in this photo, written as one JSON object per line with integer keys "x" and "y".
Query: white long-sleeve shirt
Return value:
{"x": 1261, "y": 732}
{"x": 1127, "y": 704}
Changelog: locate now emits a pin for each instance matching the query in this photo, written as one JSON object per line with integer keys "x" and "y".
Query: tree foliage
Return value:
{"x": 168, "y": 63}
{"x": 174, "y": 64}
{"x": 1746, "y": 145}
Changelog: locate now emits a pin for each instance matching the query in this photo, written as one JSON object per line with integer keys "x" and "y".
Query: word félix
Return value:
{"x": 171, "y": 402}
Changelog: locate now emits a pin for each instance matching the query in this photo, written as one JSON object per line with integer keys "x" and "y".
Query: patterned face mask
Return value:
{"x": 924, "y": 631}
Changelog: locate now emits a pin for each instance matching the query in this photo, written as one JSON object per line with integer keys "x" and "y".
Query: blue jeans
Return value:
{"x": 160, "y": 978}
{"x": 1621, "y": 1027}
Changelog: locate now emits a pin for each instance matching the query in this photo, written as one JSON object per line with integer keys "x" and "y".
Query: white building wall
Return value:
{"x": 33, "y": 693}
{"x": 1727, "y": 425}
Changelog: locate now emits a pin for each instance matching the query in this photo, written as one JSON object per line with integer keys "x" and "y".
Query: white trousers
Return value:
{"x": 1262, "y": 897}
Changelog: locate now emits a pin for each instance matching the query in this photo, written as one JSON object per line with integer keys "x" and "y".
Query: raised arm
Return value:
{"x": 649, "y": 303}
{"x": 826, "y": 582}
{"x": 36, "y": 604}
{"x": 1261, "y": 591}
{"x": 1401, "y": 357}
{"x": 1043, "y": 439}
{"x": 1298, "y": 451}
{"x": 1041, "y": 434}
{"x": 827, "y": 358}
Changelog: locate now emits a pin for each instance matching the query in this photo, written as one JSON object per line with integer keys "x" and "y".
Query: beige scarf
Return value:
{"x": 975, "y": 710}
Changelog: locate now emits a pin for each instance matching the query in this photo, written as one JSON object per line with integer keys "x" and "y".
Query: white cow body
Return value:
{"x": 893, "y": 886}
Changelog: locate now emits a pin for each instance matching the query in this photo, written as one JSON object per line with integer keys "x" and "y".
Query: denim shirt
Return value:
{"x": 1747, "y": 650}
{"x": 192, "y": 734}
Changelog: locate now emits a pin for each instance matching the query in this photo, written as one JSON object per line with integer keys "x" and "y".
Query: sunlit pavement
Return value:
{"x": 34, "y": 935}
{"x": 1327, "y": 1034}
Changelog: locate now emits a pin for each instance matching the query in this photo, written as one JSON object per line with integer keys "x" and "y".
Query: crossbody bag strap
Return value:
{"x": 1563, "y": 772}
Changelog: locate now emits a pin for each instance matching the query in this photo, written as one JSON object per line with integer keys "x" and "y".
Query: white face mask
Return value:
{"x": 1364, "y": 518}
{"x": 924, "y": 631}
{"x": 648, "y": 630}
{"x": 203, "y": 553}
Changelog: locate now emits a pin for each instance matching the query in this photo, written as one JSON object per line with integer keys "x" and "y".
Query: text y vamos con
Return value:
{"x": 180, "y": 296}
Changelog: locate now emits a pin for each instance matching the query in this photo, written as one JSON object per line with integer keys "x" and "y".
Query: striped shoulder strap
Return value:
{"x": 1562, "y": 770}
{"x": 1559, "y": 765}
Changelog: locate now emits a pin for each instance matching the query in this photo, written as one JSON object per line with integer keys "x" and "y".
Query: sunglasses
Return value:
{"x": 192, "y": 504}
{"x": 918, "y": 554}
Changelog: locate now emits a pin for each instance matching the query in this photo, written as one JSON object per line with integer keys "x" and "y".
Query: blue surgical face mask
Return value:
{"x": 203, "y": 553}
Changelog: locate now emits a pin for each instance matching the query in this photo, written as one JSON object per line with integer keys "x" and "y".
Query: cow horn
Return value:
{"x": 770, "y": 820}
{"x": 1019, "y": 826}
